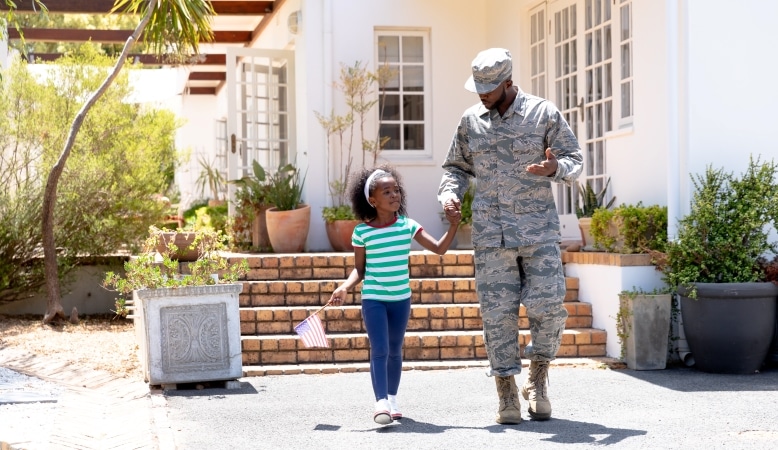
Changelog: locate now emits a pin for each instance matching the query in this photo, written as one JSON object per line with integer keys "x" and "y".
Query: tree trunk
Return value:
{"x": 54, "y": 296}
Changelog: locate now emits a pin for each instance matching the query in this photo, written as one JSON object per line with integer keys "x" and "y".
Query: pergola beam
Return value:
{"x": 211, "y": 59}
{"x": 221, "y": 7}
{"x": 110, "y": 36}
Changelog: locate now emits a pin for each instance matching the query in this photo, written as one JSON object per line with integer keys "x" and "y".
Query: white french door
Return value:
{"x": 571, "y": 60}
{"x": 260, "y": 105}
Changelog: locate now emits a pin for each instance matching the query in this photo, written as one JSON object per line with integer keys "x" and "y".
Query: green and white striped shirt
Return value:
{"x": 386, "y": 258}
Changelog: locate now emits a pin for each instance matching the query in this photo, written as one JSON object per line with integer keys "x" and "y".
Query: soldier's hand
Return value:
{"x": 546, "y": 168}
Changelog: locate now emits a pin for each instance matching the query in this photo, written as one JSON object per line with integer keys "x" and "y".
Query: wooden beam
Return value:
{"x": 221, "y": 7}
{"x": 210, "y": 59}
{"x": 207, "y": 76}
{"x": 110, "y": 36}
{"x": 200, "y": 91}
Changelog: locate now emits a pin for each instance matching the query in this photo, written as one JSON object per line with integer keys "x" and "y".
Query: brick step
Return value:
{"x": 427, "y": 345}
{"x": 317, "y": 292}
{"x": 597, "y": 362}
{"x": 308, "y": 266}
{"x": 436, "y": 317}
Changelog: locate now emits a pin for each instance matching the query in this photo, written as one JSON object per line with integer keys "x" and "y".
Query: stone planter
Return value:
{"x": 646, "y": 323}
{"x": 188, "y": 334}
{"x": 729, "y": 326}
{"x": 585, "y": 225}
{"x": 464, "y": 237}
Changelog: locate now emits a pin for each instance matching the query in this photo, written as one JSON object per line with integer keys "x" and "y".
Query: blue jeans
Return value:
{"x": 385, "y": 323}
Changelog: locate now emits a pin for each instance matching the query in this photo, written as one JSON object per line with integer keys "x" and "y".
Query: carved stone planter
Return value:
{"x": 188, "y": 334}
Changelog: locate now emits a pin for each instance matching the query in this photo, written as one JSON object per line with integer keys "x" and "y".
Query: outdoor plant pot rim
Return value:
{"x": 730, "y": 290}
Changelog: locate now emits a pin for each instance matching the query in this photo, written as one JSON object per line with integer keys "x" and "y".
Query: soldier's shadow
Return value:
{"x": 560, "y": 430}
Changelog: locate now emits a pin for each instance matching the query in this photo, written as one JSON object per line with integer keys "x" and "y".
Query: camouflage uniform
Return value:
{"x": 515, "y": 224}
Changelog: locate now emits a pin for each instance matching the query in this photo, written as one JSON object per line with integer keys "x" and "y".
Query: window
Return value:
{"x": 537, "y": 46}
{"x": 626, "y": 58}
{"x": 403, "y": 100}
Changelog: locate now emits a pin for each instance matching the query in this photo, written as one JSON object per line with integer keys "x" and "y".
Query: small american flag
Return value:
{"x": 311, "y": 332}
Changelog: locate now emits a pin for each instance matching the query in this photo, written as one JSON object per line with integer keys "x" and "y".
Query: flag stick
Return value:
{"x": 320, "y": 309}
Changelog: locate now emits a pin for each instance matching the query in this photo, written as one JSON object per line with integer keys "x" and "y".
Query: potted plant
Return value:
{"x": 727, "y": 307}
{"x": 356, "y": 84}
{"x": 289, "y": 219}
{"x": 186, "y": 316}
{"x": 587, "y": 202}
{"x": 643, "y": 327}
{"x": 630, "y": 228}
{"x": 211, "y": 179}
{"x": 253, "y": 194}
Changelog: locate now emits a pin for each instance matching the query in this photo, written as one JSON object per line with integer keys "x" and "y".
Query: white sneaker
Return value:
{"x": 382, "y": 412}
{"x": 393, "y": 408}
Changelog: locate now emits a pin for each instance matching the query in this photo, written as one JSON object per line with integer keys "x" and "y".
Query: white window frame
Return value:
{"x": 626, "y": 68}
{"x": 402, "y": 155}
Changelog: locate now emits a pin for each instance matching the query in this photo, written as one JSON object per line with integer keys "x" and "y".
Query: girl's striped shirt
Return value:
{"x": 386, "y": 258}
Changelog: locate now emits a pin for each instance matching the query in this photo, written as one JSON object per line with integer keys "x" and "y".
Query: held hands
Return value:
{"x": 546, "y": 168}
{"x": 452, "y": 210}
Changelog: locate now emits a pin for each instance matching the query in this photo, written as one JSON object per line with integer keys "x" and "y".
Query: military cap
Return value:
{"x": 490, "y": 68}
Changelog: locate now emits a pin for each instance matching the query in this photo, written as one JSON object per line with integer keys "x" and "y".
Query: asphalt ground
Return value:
{"x": 446, "y": 409}
{"x": 593, "y": 406}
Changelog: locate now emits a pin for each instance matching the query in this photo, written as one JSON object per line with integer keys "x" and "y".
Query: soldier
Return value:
{"x": 514, "y": 145}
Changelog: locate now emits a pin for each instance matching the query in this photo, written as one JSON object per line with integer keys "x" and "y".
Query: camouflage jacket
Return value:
{"x": 511, "y": 207}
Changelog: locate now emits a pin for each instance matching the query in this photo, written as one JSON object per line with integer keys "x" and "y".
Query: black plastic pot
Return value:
{"x": 729, "y": 327}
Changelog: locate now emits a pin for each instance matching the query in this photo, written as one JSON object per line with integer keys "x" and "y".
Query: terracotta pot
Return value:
{"x": 585, "y": 225}
{"x": 288, "y": 230}
{"x": 182, "y": 240}
{"x": 259, "y": 237}
{"x": 339, "y": 233}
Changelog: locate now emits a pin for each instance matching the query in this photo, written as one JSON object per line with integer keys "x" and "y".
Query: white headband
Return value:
{"x": 370, "y": 179}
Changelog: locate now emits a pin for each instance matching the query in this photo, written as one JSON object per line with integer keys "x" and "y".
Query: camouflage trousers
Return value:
{"x": 507, "y": 278}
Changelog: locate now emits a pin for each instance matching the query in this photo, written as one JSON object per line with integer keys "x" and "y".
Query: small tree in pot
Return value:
{"x": 728, "y": 309}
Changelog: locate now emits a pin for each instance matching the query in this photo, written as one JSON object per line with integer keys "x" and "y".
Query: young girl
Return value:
{"x": 381, "y": 248}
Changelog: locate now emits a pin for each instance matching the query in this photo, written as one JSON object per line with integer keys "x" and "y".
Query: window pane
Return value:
{"x": 390, "y": 105}
{"x": 541, "y": 26}
{"x": 588, "y": 46}
{"x": 625, "y": 61}
{"x": 597, "y": 45}
{"x": 588, "y": 14}
{"x": 393, "y": 82}
{"x": 389, "y": 48}
{"x": 606, "y": 36}
{"x": 573, "y": 22}
{"x": 542, "y": 58}
{"x": 626, "y": 100}
{"x": 391, "y": 131}
{"x": 608, "y": 116}
{"x": 606, "y": 82}
{"x": 414, "y": 137}
{"x": 413, "y": 78}
{"x": 413, "y": 50}
{"x": 625, "y": 31}
{"x": 413, "y": 107}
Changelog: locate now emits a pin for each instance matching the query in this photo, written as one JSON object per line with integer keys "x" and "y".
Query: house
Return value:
{"x": 655, "y": 90}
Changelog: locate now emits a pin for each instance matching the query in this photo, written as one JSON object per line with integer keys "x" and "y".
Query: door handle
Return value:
{"x": 580, "y": 106}
{"x": 232, "y": 142}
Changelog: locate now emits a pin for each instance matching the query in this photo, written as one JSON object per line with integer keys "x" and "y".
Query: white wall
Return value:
{"x": 600, "y": 286}
{"x": 731, "y": 85}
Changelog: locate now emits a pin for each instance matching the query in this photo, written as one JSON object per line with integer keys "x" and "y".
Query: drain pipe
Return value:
{"x": 677, "y": 146}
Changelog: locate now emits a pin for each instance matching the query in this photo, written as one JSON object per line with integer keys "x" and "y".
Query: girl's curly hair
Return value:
{"x": 356, "y": 192}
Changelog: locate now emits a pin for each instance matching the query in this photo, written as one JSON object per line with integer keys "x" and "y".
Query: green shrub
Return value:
{"x": 630, "y": 228}
{"x": 123, "y": 158}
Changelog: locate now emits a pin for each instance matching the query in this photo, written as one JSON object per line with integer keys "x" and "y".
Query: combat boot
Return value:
{"x": 510, "y": 408}
{"x": 534, "y": 391}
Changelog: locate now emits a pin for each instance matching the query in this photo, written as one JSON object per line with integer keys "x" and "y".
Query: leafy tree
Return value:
{"x": 167, "y": 25}
{"x": 123, "y": 156}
